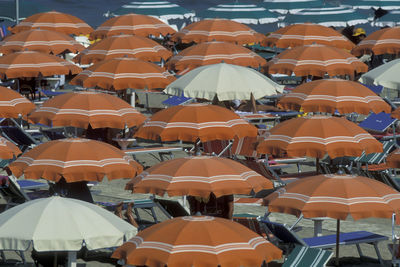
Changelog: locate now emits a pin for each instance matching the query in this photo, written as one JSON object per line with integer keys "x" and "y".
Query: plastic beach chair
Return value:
{"x": 288, "y": 237}
{"x": 306, "y": 256}
{"x": 377, "y": 123}
{"x": 177, "y": 100}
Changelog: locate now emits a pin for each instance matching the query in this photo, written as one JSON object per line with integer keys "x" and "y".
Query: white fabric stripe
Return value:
{"x": 366, "y": 99}
{"x": 145, "y": 176}
{"x": 132, "y": 27}
{"x": 203, "y": 125}
{"x": 30, "y": 43}
{"x": 153, "y": 49}
{"x": 150, "y": 6}
{"x": 324, "y": 141}
{"x": 386, "y": 199}
{"x": 172, "y": 249}
{"x": 307, "y": 37}
{"x": 212, "y": 33}
{"x": 215, "y": 56}
{"x": 73, "y": 163}
{"x": 89, "y": 113}
{"x": 53, "y": 25}
{"x": 328, "y": 62}
{"x": 14, "y": 102}
{"x": 125, "y": 75}
{"x": 35, "y": 65}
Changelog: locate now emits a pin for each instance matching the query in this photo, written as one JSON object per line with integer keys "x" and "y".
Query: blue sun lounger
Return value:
{"x": 177, "y": 100}
{"x": 377, "y": 122}
{"x": 328, "y": 241}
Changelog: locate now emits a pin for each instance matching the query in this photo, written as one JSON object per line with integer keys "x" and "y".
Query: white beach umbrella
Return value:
{"x": 386, "y": 75}
{"x": 390, "y": 19}
{"x": 290, "y": 6}
{"x": 226, "y": 81}
{"x": 61, "y": 224}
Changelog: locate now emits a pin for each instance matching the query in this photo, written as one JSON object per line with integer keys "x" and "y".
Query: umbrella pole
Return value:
{"x": 337, "y": 241}
{"x": 253, "y": 103}
{"x": 55, "y": 259}
{"x": 317, "y": 165}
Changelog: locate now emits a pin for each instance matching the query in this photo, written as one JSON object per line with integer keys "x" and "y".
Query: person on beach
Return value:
{"x": 212, "y": 206}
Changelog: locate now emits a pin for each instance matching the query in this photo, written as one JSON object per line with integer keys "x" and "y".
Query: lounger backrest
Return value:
{"x": 283, "y": 233}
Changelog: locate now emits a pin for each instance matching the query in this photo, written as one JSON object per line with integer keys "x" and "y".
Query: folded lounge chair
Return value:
{"x": 289, "y": 238}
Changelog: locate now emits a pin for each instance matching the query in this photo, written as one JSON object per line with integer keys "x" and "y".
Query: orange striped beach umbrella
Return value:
{"x": 79, "y": 109}
{"x": 198, "y": 176}
{"x": 34, "y": 64}
{"x": 384, "y": 41}
{"x": 133, "y": 24}
{"x": 307, "y": 34}
{"x": 13, "y": 105}
{"x": 122, "y": 73}
{"x": 393, "y": 159}
{"x": 7, "y": 149}
{"x": 40, "y": 40}
{"x": 75, "y": 159}
{"x": 316, "y": 136}
{"x": 395, "y": 113}
{"x": 337, "y": 197}
{"x": 195, "y": 121}
{"x": 329, "y": 95}
{"x": 212, "y": 53}
{"x": 54, "y": 21}
{"x": 217, "y": 30}
{"x": 123, "y": 46}
{"x": 198, "y": 241}
{"x": 316, "y": 60}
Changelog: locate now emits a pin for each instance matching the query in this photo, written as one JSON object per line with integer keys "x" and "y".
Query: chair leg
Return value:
{"x": 378, "y": 253}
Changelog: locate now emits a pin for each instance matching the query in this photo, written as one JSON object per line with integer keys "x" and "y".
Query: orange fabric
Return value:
{"x": 213, "y": 53}
{"x": 40, "y": 40}
{"x": 384, "y": 41}
{"x": 337, "y": 197}
{"x": 315, "y": 60}
{"x": 123, "y": 46}
{"x": 307, "y": 34}
{"x": 217, "y": 30}
{"x": 317, "y": 136}
{"x": 393, "y": 159}
{"x": 197, "y": 241}
{"x": 123, "y": 73}
{"x": 134, "y": 24}
{"x": 198, "y": 176}
{"x": 396, "y": 113}
{"x": 75, "y": 159}
{"x": 33, "y": 64}
{"x": 7, "y": 149}
{"x": 81, "y": 109}
{"x": 13, "y": 104}
{"x": 329, "y": 95}
{"x": 195, "y": 121}
{"x": 54, "y": 21}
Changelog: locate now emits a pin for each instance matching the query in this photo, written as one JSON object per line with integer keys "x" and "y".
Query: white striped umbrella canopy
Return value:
{"x": 81, "y": 109}
{"x": 316, "y": 136}
{"x": 386, "y": 75}
{"x": 61, "y": 224}
{"x": 198, "y": 176}
{"x": 197, "y": 241}
{"x": 75, "y": 159}
{"x": 240, "y": 12}
{"x": 163, "y": 10}
{"x": 290, "y": 6}
{"x": 336, "y": 16}
{"x": 225, "y": 81}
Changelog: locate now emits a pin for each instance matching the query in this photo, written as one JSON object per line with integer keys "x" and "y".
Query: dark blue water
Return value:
{"x": 91, "y": 11}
